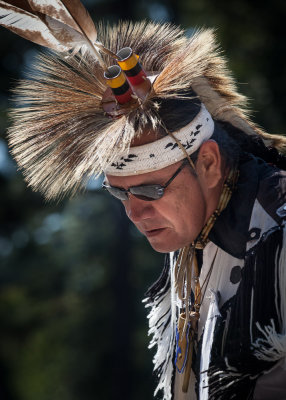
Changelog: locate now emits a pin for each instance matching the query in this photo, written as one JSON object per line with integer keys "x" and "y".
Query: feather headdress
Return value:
{"x": 60, "y": 135}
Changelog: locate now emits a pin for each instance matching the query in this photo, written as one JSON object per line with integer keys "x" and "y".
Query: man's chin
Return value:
{"x": 165, "y": 243}
{"x": 159, "y": 240}
{"x": 162, "y": 246}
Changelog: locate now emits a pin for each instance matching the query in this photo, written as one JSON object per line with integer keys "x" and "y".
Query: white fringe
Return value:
{"x": 273, "y": 346}
{"x": 163, "y": 308}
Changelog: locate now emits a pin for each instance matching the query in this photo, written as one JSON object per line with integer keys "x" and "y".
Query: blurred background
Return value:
{"x": 72, "y": 275}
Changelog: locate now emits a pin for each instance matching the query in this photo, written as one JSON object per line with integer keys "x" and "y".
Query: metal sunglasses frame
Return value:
{"x": 143, "y": 192}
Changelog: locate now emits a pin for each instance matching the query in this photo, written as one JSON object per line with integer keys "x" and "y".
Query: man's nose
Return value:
{"x": 138, "y": 210}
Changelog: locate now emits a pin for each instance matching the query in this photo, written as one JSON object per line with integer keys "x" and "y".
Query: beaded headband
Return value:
{"x": 166, "y": 151}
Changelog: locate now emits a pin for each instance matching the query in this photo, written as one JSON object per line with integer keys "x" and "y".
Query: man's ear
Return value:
{"x": 209, "y": 164}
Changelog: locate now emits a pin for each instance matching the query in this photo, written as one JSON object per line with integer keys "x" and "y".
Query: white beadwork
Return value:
{"x": 164, "y": 152}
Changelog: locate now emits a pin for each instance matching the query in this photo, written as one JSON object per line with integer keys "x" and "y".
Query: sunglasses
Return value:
{"x": 143, "y": 192}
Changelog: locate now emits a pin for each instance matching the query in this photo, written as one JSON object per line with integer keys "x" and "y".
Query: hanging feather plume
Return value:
{"x": 60, "y": 135}
{"x": 60, "y": 25}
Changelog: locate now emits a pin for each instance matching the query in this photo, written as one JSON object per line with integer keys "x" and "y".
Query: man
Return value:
{"x": 195, "y": 175}
{"x": 241, "y": 263}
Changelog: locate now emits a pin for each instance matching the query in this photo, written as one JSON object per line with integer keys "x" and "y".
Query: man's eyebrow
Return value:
{"x": 150, "y": 181}
{"x": 106, "y": 182}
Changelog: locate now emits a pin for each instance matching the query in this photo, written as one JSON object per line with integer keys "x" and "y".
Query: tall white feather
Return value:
{"x": 70, "y": 22}
{"x": 61, "y": 25}
{"x": 71, "y": 13}
{"x": 29, "y": 26}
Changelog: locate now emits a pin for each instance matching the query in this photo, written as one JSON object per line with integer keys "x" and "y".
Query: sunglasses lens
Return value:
{"x": 144, "y": 192}
{"x": 120, "y": 194}
{"x": 147, "y": 192}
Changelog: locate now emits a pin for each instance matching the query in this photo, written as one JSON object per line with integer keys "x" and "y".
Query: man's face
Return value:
{"x": 174, "y": 220}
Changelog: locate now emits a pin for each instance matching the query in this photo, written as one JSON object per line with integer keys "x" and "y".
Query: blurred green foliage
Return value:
{"x": 72, "y": 275}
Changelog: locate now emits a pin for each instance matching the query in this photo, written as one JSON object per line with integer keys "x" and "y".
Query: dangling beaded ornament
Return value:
{"x": 186, "y": 272}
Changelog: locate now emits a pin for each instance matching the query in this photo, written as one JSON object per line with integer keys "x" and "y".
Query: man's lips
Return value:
{"x": 153, "y": 232}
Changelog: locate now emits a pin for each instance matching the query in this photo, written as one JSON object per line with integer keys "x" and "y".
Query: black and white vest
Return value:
{"x": 241, "y": 352}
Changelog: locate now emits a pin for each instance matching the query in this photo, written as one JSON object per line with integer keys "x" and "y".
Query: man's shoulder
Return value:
{"x": 256, "y": 206}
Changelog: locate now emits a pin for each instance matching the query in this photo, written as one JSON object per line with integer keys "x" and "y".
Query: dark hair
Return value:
{"x": 254, "y": 145}
{"x": 178, "y": 112}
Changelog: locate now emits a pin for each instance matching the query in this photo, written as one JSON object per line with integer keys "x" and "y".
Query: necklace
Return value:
{"x": 186, "y": 276}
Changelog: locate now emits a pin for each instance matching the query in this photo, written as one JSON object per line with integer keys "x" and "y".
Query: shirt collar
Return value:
{"x": 230, "y": 231}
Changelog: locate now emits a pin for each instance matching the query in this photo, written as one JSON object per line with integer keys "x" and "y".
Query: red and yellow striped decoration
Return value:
{"x": 129, "y": 63}
{"x": 117, "y": 81}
